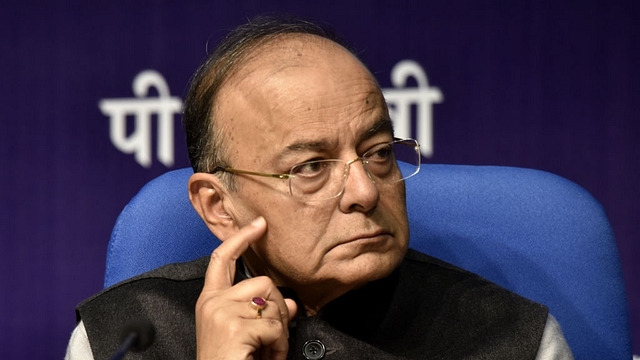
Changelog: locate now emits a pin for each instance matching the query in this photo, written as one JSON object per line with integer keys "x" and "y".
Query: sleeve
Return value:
{"x": 553, "y": 345}
{"x": 79, "y": 347}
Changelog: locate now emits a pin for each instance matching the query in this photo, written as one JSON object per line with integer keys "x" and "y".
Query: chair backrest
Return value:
{"x": 532, "y": 232}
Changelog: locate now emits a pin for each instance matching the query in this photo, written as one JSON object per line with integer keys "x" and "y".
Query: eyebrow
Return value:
{"x": 309, "y": 146}
{"x": 302, "y": 147}
{"x": 381, "y": 126}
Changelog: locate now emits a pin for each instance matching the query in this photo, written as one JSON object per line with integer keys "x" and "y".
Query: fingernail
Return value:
{"x": 258, "y": 221}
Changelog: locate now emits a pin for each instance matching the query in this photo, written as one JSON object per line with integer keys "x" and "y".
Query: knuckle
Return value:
{"x": 275, "y": 325}
{"x": 234, "y": 328}
{"x": 216, "y": 258}
{"x": 211, "y": 313}
{"x": 208, "y": 305}
{"x": 205, "y": 306}
{"x": 264, "y": 282}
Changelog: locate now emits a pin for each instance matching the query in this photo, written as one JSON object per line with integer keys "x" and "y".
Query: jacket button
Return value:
{"x": 313, "y": 350}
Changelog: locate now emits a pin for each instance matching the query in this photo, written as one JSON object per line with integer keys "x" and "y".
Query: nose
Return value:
{"x": 360, "y": 192}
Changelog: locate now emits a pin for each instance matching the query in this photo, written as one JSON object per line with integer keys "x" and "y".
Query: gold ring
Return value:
{"x": 259, "y": 304}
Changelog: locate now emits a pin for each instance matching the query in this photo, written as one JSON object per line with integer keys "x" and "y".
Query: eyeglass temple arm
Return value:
{"x": 247, "y": 172}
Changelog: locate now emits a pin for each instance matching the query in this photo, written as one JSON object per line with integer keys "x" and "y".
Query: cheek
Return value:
{"x": 297, "y": 229}
{"x": 393, "y": 199}
{"x": 394, "y": 209}
{"x": 296, "y": 240}
{"x": 258, "y": 196}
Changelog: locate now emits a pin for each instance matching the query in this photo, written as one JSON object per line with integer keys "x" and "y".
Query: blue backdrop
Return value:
{"x": 520, "y": 83}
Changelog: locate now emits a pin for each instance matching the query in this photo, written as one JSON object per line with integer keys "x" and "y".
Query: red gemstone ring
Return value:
{"x": 259, "y": 304}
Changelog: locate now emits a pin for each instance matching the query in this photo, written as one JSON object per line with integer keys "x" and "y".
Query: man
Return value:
{"x": 295, "y": 171}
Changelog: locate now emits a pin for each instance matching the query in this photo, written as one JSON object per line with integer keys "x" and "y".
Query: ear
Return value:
{"x": 210, "y": 199}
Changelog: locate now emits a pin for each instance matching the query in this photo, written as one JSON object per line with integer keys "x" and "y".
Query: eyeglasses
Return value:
{"x": 384, "y": 163}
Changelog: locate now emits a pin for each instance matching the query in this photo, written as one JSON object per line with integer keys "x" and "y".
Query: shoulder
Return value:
{"x": 165, "y": 296}
{"x": 415, "y": 258}
{"x": 185, "y": 271}
{"x": 463, "y": 307}
{"x": 179, "y": 281}
{"x": 456, "y": 284}
{"x": 424, "y": 269}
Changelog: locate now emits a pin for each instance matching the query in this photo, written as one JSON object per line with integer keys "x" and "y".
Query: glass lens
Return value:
{"x": 408, "y": 157}
{"x": 317, "y": 180}
{"x": 389, "y": 163}
{"x": 385, "y": 164}
{"x": 380, "y": 162}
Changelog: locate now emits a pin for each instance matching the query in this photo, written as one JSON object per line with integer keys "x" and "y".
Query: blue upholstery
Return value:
{"x": 532, "y": 232}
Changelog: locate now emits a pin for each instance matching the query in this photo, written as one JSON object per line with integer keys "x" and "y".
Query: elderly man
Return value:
{"x": 296, "y": 172}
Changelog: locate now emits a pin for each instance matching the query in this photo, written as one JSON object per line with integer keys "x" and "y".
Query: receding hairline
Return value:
{"x": 231, "y": 57}
{"x": 271, "y": 46}
{"x": 268, "y": 47}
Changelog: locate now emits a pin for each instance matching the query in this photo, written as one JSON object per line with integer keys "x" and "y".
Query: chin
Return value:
{"x": 372, "y": 266}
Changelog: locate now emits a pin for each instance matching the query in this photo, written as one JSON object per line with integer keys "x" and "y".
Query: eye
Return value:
{"x": 380, "y": 153}
{"x": 310, "y": 168}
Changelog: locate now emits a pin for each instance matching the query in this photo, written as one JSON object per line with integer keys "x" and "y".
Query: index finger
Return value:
{"x": 222, "y": 266}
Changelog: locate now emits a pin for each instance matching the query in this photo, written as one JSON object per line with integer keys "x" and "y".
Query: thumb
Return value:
{"x": 292, "y": 308}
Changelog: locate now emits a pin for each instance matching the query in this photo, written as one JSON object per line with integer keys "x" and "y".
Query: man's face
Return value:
{"x": 305, "y": 99}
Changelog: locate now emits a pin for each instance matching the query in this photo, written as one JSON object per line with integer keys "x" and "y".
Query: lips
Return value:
{"x": 367, "y": 236}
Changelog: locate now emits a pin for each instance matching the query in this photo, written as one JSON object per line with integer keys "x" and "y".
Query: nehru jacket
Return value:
{"x": 426, "y": 309}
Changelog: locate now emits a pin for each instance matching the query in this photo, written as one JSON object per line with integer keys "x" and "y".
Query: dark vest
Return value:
{"x": 426, "y": 309}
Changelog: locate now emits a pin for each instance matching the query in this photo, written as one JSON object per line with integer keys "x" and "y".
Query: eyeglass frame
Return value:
{"x": 290, "y": 176}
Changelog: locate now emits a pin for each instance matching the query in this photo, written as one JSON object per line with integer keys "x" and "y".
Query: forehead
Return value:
{"x": 297, "y": 89}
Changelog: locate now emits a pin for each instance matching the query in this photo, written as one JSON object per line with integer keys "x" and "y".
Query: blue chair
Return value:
{"x": 532, "y": 232}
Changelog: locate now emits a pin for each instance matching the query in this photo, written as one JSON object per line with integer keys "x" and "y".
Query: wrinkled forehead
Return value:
{"x": 301, "y": 86}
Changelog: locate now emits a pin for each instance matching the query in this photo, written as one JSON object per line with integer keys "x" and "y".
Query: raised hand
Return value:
{"x": 228, "y": 326}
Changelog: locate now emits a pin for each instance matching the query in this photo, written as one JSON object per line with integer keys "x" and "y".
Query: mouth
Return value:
{"x": 371, "y": 237}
